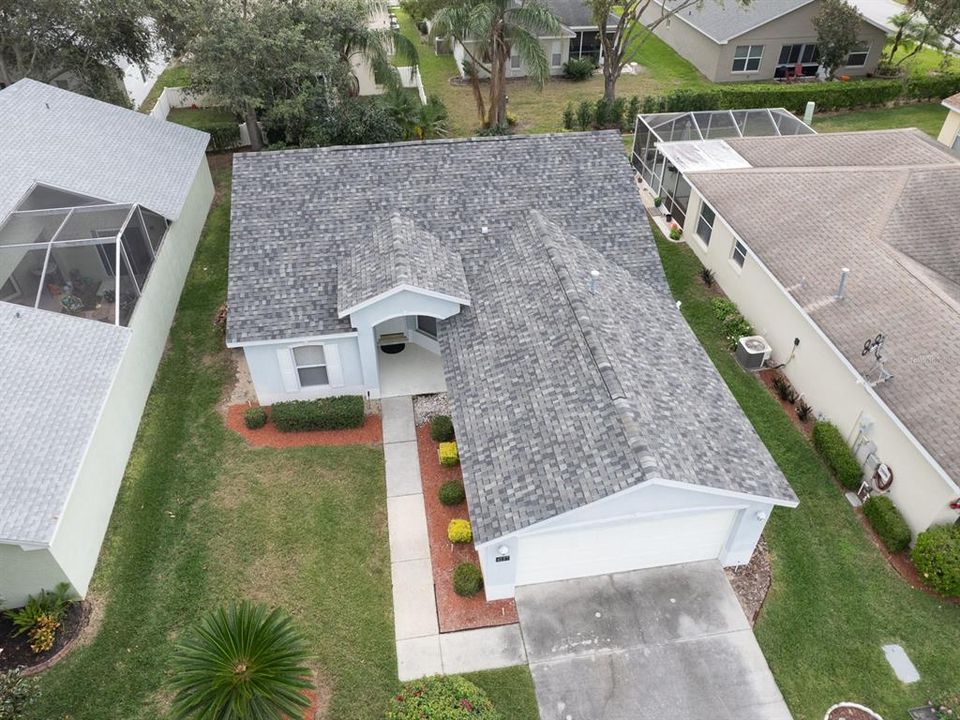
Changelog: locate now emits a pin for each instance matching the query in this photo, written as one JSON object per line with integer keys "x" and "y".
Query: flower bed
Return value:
{"x": 16, "y": 652}
{"x": 370, "y": 433}
{"x": 454, "y": 612}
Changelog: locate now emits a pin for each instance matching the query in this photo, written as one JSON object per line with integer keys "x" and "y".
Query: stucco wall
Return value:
{"x": 817, "y": 370}
{"x": 716, "y": 61}
{"x": 951, "y": 126}
{"x": 546, "y": 43}
{"x": 25, "y": 572}
{"x": 268, "y": 379}
{"x": 76, "y": 544}
{"x": 641, "y": 501}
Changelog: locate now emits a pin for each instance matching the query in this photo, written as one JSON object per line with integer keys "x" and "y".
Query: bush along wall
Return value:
{"x": 888, "y": 522}
{"x": 828, "y": 96}
{"x": 937, "y": 557}
{"x": 834, "y": 450}
{"x": 333, "y": 413}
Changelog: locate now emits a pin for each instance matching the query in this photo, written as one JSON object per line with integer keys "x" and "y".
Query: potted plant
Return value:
{"x": 850, "y": 711}
{"x": 657, "y": 201}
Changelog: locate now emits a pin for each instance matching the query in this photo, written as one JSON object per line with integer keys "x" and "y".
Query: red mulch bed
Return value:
{"x": 455, "y": 612}
{"x": 16, "y": 652}
{"x": 268, "y": 436}
{"x": 766, "y": 377}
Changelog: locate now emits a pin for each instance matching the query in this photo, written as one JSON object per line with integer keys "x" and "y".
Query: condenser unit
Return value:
{"x": 752, "y": 352}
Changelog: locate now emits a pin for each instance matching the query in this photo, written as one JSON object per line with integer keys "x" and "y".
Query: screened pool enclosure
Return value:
{"x": 78, "y": 255}
{"x": 664, "y": 175}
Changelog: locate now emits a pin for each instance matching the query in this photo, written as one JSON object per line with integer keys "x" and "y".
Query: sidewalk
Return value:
{"x": 421, "y": 648}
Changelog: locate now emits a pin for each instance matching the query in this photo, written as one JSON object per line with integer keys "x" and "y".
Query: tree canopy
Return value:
{"x": 838, "y": 26}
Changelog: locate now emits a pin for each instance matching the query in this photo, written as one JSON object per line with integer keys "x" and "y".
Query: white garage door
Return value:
{"x": 616, "y": 547}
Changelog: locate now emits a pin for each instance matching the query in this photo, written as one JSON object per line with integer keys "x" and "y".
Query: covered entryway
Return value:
{"x": 408, "y": 357}
{"x": 618, "y": 546}
{"x": 667, "y": 642}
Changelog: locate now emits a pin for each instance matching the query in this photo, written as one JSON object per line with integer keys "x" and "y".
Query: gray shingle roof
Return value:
{"x": 76, "y": 143}
{"x": 723, "y": 22}
{"x": 397, "y": 253}
{"x": 296, "y": 212}
{"x": 562, "y": 396}
{"x": 896, "y": 229}
{"x": 576, "y": 13}
{"x": 56, "y": 371}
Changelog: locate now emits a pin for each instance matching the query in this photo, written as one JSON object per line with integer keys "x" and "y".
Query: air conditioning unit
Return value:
{"x": 752, "y": 352}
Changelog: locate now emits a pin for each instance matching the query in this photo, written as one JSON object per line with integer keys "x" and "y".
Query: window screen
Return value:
{"x": 739, "y": 253}
{"x": 705, "y": 223}
{"x": 311, "y": 365}
{"x": 858, "y": 56}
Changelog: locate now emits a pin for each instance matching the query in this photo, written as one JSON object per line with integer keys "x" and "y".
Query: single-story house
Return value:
{"x": 841, "y": 250}
{"x": 950, "y": 132}
{"x": 517, "y": 273}
{"x": 100, "y": 211}
{"x": 578, "y": 38}
{"x": 729, "y": 42}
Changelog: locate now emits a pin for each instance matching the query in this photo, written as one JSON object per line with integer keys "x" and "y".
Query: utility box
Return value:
{"x": 752, "y": 352}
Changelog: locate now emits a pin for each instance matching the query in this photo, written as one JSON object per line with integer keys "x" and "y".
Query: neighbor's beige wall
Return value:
{"x": 26, "y": 572}
{"x": 76, "y": 545}
{"x": 716, "y": 61}
{"x": 817, "y": 371}
{"x": 951, "y": 126}
{"x": 686, "y": 40}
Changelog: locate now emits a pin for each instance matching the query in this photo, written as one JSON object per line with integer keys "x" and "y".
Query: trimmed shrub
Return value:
{"x": 452, "y": 493}
{"x": 333, "y": 413}
{"x": 449, "y": 456}
{"x": 888, "y": 522}
{"x": 617, "y": 110}
{"x": 467, "y": 579}
{"x": 459, "y": 532}
{"x": 937, "y": 557}
{"x": 837, "y": 454}
{"x": 633, "y": 109}
{"x": 441, "y": 428}
{"x": 441, "y": 697}
{"x": 568, "y": 117}
{"x": 255, "y": 418}
{"x": 578, "y": 69}
{"x": 584, "y": 115}
{"x": 223, "y": 135}
{"x": 733, "y": 323}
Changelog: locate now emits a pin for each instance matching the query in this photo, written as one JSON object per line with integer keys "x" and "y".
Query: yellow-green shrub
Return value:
{"x": 458, "y": 531}
{"x": 448, "y": 454}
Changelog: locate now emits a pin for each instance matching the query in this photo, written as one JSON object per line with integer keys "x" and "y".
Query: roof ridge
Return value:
{"x": 809, "y": 169}
{"x": 438, "y": 141}
{"x": 649, "y": 465}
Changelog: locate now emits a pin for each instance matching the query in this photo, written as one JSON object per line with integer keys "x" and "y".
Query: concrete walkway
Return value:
{"x": 421, "y": 649}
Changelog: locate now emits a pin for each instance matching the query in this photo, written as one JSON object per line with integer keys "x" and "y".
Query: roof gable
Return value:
{"x": 398, "y": 255}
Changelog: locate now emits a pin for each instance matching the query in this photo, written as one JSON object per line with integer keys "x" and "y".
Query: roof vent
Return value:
{"x": 843, "y": 283}
{"x": 594, "y": 281}
{"x": 484, "y": 230}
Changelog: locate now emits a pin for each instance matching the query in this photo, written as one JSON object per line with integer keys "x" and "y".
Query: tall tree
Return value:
{"x": 943, "y": 16}
{"x": 244, "y": 661}
{"x": 47, "y": 39}
{"x": 838, "y": 27}
{"x": 913, "y": 34}
{"x": 490, "y": 31}
{"x": 635, "y": 22}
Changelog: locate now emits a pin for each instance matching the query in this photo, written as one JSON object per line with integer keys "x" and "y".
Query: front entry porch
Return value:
{"x": 412, "y": 371}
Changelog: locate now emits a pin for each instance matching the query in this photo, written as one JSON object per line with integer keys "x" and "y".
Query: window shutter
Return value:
{"x": 334, "y": 368}
{"x": 288, "y": 372}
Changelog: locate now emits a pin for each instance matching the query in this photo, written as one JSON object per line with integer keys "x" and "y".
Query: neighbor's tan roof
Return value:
{"x": 895, "y": 226}
{"x": 953, "y": 102}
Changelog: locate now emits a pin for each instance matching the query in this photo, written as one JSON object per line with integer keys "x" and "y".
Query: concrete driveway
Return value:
{"x": 654, "y": 644}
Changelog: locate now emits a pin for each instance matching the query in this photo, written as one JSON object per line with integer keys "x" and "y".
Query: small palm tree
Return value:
{"x": 496, "y": 29}
{"x": 242, "y": 662}
{"x": 379, "y": 46}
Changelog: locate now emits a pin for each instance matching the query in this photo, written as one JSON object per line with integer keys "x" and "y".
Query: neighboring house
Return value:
{"x": 578, "y": 38}
{"x": 101, "y": 209}
{"x": 730, "y": 42}
{"x": 826, "y": 243}
{"x": 594, "y": 432}
{"x": 950, "y": 132}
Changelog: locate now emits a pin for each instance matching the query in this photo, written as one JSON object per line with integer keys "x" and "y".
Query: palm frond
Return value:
{"x": 531, "y": 52}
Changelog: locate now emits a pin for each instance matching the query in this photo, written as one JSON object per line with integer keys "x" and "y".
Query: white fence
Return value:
{"x": 177, "y": 97}
{"x": 410, "y": 79}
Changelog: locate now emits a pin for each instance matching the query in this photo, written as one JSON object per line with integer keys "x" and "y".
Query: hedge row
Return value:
{"x": 837, "y": 454}
{"x": 937, "y": 557}
{"x": 794, "y": 97}
{"x": 333, "y": 413}
{"x": 223, "y": 135}
{"x": 888, "y": 522}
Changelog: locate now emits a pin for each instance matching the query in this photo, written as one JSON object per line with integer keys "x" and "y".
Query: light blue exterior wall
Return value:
{"x": 645, "y": 500}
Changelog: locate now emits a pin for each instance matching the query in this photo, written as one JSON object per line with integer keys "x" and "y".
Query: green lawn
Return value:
{"x": 928, "y": 117}
{"x": 203, "y": 519}
{"x": 926, "y": 61}
{"x": 201, "y": 118}
{"x": 834, "y": 599}
{"x": 540, "y": 111}
{"x": 172, "y": 76}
